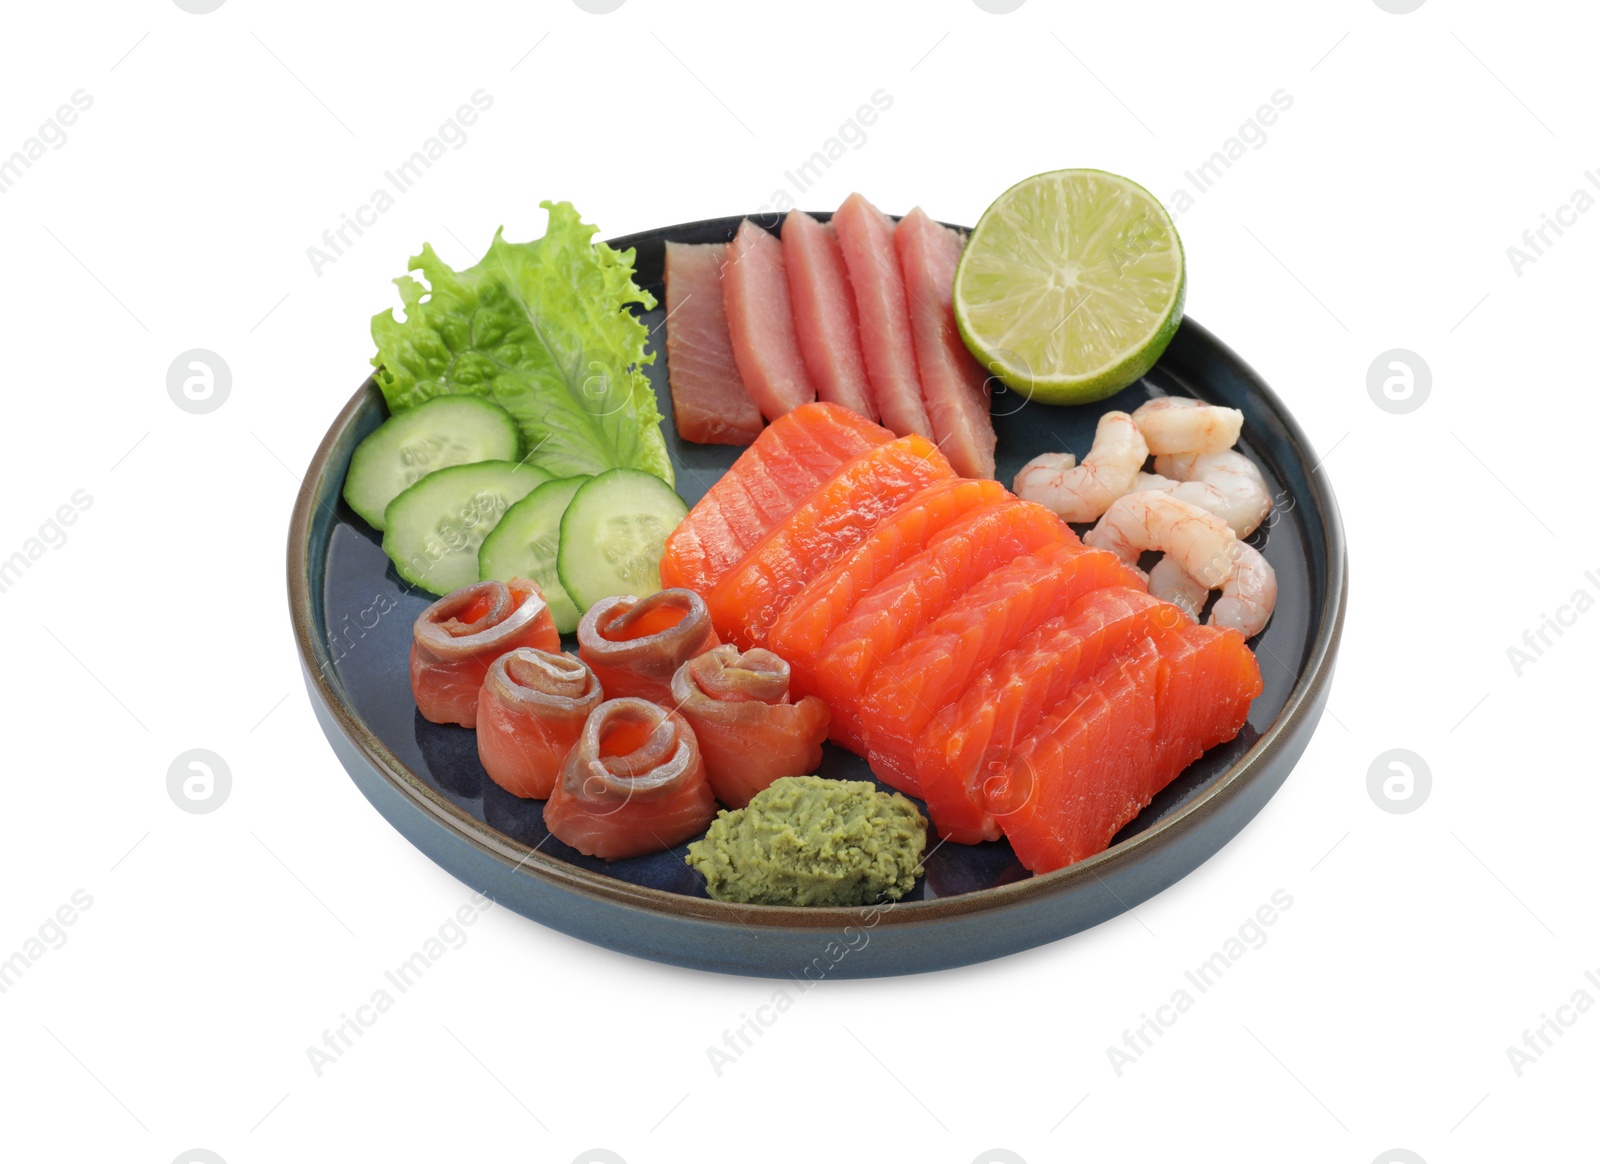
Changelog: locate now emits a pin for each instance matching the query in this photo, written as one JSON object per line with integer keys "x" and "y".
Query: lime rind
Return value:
{"x": 1071, "y": 286}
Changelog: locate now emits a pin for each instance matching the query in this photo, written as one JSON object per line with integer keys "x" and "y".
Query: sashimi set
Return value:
{"x": 856, "y": 578}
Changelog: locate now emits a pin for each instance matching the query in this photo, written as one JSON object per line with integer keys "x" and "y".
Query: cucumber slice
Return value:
{"x": 444, "y": 431}
{"x": 524, "y": 545}
{"x": 435, "y": 527}
{"x": 613, "y": 534}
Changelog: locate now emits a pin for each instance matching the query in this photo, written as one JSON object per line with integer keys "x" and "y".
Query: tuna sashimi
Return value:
{"x": 791, "y": 458}
{"x": 637, "y": 645}
{"x": 750, "y": 734}
{"x": 954, "y": 561}
{"x": 633, "y": 783}
{"x": 825, "y": 314}
{"x": 806, "y": 623}
{"x": 866, "y": 237}
{"x": 935, "y": 667}
{"x": 971, "y": 739}
{"x": 955, "y": 388}
{"x": 709, "y": 403}
{"x": 748, "y": 600}
{"x": 755, "y": 292}
{"x": 456, "y": 638}
{"x": 532, "y": 709}
{"x": 1119, "y": 739}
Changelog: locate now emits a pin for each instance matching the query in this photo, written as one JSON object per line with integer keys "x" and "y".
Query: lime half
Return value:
{"x": 1071, "y": 286}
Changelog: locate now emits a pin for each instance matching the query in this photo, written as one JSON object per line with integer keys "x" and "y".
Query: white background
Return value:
{"x": 218, "y": 947}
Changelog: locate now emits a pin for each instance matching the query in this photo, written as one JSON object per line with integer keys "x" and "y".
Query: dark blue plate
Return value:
{"x": 352, "y": 621}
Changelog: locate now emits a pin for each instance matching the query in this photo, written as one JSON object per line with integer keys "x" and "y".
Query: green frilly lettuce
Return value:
{"x": 542, "y": 329}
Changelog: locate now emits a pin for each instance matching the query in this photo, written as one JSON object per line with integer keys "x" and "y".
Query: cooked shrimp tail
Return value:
{"x": 1182, "y": 424}
{"x": 1082, "y": 492}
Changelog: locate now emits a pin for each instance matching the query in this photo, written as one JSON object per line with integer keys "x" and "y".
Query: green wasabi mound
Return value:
{"x": 809, "y": 841}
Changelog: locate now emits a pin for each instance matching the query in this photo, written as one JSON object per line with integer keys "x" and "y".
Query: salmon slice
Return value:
{"x": 1119, "y": 739}
{"x": 749, "y": 599}
{"x": 825, "y": 314}
{"x": 936, "y": 666}
{"x": 755, "y": 292}
{"x": 971, "y": 740}
{"x": 709, "y": 403}
{"x": 791, "y": 458}
{"x": 1088, "y": 769}
{"x": 955, "y": 388}
{"x": 919, "y": 591}
{"x": 866, "y": 237}
{"x": 806, "y": 623}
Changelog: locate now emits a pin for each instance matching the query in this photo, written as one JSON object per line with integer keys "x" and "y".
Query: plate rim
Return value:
{"x": 517, "y": 859}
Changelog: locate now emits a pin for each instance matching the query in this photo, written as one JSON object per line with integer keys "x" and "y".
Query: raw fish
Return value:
{"x": 634, "y": 783}
{"x": 749, "y": 732}
{"x": 709, "y": 402}
{"x": 635, "y": 646}
{"x": 955, "y": 388}
{"x": 532, "y": 709}
{"x": 866, "y": 236}
{"x": 750, "y": 597}
{"x": 825, "y": 314}
{"x": 455, "y": 639}
{"x": 755, "y": 292}
{"x": 789, "y": 460}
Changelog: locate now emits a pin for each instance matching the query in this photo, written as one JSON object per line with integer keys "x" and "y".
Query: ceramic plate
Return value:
{"x": 352, "y": 621}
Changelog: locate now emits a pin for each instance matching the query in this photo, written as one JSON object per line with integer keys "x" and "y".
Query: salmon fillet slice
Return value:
{"x": 866, "y": 237}
{"x": 804, "y": 626}
{"x": 788, "y": 462}
{"x": 971, "y": 739}
{"x": 749, "y": 599}
{"x": 936, "y": 666}
{"x": 755, "y": 291}
{"x": 825, "y": 313}
{"x": 1121, "y": 737}
{"x": 709, "y": 403}
{"x": 955, "y": 388}
{"x": 921, "y": 590}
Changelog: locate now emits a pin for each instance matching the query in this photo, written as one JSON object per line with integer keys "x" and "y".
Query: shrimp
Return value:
{"x": 1200, "y": 541}
{"x": 1249, "y": 596}
{"x": 1182, "y": 424}
{"x": 1170, "y": 583}
{"x": 1084, "y": 492}
{"x": 1227, "y": 484}
{"x": 1200, "y": 545}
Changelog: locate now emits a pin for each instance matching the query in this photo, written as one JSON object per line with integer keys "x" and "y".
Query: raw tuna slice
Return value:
{"x": 749, "y": 599}
{"x": 970, "y": 741}
{"x": 866, "y": 236}
{"x": 709, "y": 403}
{"x": 955, "y": 388}
{"x": 791, "y": 458}
{"x": 922, "y": 589}
{"x": 825, "y": 314}
{"x": 1119, "y": 739}
{"x": 828, "y": 599}
{"x": 936, "y": 667}
{"x": 755, "y": 291}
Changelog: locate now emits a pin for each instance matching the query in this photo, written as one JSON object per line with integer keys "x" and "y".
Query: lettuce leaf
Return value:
{"x": 542, "y": 329}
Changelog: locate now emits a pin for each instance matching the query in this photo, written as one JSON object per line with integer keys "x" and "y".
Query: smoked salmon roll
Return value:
{"x": 531, "y": 711}
{"x": 454, "y": 641}
{"x": 636, "y": 646}
{"x": 749, "y": 732}
{"x": 634, "y": 783}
